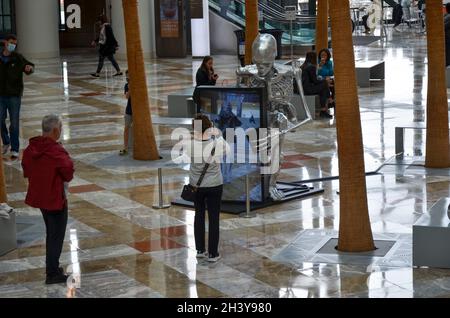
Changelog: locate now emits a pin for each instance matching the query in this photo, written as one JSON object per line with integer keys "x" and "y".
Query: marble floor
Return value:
{"x": 120, "y": 246}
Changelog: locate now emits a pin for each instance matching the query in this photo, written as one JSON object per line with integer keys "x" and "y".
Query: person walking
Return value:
{"x": 108, "y": 45}
{"x": 12, "y": 67}
{"x": 49, "y": 169}
{"x": 209, "y": 183}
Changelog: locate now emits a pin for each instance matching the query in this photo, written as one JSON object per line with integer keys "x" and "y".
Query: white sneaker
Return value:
{"x": 14, "y": 155}
{"x": 202, "y": 254}
{"x": 4, "y": 214}
{"x": 5, "y": 149}
{"x": 214, "y": 259}
{"x": 6, "y": 207}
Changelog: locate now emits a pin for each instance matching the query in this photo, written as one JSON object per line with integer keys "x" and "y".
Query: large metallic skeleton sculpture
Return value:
{"x": 281, "y": 113}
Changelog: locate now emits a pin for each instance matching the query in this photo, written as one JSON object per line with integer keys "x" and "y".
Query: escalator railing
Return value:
{"x": 391, "y": 3}
{"x": 273, "y": 17}
{"x": 303, "y": 28}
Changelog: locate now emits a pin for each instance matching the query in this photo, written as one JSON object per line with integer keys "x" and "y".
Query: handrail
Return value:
{"x": 271, "y": 18}
{"x": 276, "y": 5}
{"x": 391, "y": 3}
{"x": 280, "y": 16}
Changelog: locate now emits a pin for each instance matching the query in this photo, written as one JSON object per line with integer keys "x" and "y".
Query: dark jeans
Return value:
{"x": 55, "y": 224}
{"x": 322, "y": 90}
{"x": 11, "y": 105}
{"x": 101, "y": 62}
{"x": 211, "y": 198}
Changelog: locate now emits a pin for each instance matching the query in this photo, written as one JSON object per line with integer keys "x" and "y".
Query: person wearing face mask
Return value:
{"x": 12, "y": 67}
{"x": 49, "y": 169}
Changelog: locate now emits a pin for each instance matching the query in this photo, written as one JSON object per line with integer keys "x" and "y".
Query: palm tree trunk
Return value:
{"x": 437, "y": 144}
{"x": 3, "y": 196}
{"x": 322, "y": 25}
{"x": 355, "y": 233}
{"x": 251, "y": 28}
{"x": 144, "y": 147}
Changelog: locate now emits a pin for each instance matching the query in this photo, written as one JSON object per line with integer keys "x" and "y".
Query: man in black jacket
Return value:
{"x": 12, "y": 67}
{"x": 107, "y": 47}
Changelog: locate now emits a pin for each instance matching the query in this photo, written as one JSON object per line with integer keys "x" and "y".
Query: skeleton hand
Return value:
{"x": 276, "y": 194}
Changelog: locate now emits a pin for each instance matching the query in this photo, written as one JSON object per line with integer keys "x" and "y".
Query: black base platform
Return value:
{"x": 293, "y": 192}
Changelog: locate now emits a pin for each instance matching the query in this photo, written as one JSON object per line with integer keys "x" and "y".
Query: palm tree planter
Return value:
{"x": 144, "y": 146}
{"x": 322, "y": 25}
{"x": 355, "y": 233}
{"x": 251, "y": 28}
{"x": 437, "y": 143}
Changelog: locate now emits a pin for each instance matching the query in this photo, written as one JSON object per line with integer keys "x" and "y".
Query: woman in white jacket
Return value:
{"x": 207, "y": 146}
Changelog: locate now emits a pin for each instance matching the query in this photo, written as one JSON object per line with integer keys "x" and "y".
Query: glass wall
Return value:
{"x": 7, "y": 21}
{"x": 303, "y": 31}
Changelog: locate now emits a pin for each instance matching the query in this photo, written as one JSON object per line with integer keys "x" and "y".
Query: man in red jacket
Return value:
{"x": 48, "y": 167}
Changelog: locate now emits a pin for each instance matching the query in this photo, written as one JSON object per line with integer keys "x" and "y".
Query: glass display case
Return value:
{"x": 239, "y": 113}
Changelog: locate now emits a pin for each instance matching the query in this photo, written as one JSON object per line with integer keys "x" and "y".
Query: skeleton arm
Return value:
{"x": 244, "y": 74}
{"x": 298, "y": 76}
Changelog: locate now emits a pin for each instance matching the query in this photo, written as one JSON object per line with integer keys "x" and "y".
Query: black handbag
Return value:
{"x": 189, "y": 191}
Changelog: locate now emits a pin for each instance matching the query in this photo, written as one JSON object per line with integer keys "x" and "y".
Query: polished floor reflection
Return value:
{"x": 122, "y": 247}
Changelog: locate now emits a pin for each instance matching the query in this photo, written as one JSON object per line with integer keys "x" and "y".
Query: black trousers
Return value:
{"x": 55, "y": 224}
{"x": 210, "y": 198}
{"x": 101, "y": 62}
{"x": 322, "y": 90}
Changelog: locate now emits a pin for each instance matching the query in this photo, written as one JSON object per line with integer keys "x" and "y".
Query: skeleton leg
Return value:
{"x": 276, "y": 159}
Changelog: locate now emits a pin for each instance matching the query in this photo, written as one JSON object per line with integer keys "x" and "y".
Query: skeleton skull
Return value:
{"x": 264, "y": 53}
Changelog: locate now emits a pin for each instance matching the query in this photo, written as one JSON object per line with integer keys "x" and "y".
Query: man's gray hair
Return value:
{"x": 49, "y": 122}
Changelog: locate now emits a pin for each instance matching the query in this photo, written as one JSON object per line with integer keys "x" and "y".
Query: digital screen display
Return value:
{"x": 239, "y": 109}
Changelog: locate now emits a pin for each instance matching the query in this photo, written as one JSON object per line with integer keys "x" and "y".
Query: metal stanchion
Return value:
{"x": 248, "y": 213}
{"x": 160, "y": 204}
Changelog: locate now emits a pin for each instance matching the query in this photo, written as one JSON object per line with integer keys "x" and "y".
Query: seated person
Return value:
{"x": 325, "y": 68}
{"x": 326, "y": 71}
{"x": 205, "y": 76}
{"x": 314, "y": 86}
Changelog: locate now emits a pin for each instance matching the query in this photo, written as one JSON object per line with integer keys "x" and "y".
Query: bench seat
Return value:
{"x": 369, "y": 70}
{"x": 8, "y": 235}
{"x": 400, "y": 135}
{"x": 181, "y": 104}
{"x": 431, "y": 237}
